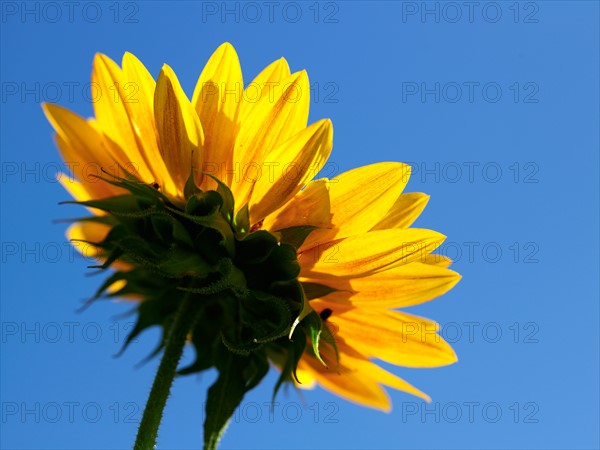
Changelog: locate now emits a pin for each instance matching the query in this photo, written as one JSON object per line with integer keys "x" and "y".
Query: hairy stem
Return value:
{"x": 178, "y": 332}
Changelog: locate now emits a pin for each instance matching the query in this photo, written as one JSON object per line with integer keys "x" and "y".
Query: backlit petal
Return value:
{"x": 141, "y": 114}
{"x": 217, "y": 98}
{"x": 181, "y": 137}
{"x": 404, "y": 212}
{"x": 273, "y": 120}
{"x": 369, "y": 252}
{"x": 392, "y": 336}
{"x": 310, "y": 206}
{"x": 360, "y": 197}
{"x": 295, "y": 162}
{"x": 405, "y": 285}
{"x": 263, "y": 86}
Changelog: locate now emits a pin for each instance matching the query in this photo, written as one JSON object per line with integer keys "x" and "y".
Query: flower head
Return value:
{"x": 211, "y": 203}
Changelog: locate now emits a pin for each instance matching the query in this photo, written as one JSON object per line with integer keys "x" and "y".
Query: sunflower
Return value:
{"x": 208, "y": 214}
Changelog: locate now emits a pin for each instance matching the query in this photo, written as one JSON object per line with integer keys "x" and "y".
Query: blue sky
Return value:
{"x": 496, "y": 107}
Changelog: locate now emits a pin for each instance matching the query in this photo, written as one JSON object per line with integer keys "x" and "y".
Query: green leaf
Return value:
{"x": 236, "y": 377}
{"x": 205, "y": 339}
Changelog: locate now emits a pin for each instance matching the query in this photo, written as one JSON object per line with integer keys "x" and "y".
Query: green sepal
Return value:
{"x": 183, "y": 263}
{"x": 216, "y": 222}
{"x": 153, "y": 311}
{"x": 204, "y": 204}
{"x": 112, "y": 257}
{"x": 242, "y": 221}
{"x": 139, "y": 189}
{"x": 284, "y": 263}
{"x": 262, "y": 318}
{"x": 167, "y": 228}
{"x": 268, "y": 316}
{"x": 190, "y": 187}
{"x": 232, "y": 279}
{"x": 117, "y": 276}
{"x": 228, "y": 200}
{"x": 119, "y": 203}
{"x": 106, "y": 220}
{"x": 316, "y": 290}
{"x": 294, "y": 350}
{"x": 314, "y": 323}
{"x": 256, "y": 247}
{"x": 295, "y": 236}
{"x": 328, "y": 337}
{"x": 305, "y": 310}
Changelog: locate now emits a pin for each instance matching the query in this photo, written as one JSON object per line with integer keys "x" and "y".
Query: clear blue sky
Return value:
{"x": 496, "y": 107}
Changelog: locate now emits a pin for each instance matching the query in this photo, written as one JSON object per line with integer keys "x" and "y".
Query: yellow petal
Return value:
{"x": 263, "y": 86}
{"x": 90, "y": 232}
{"x": 350, "y": 384}
{"x": 392, "y": 336}
{"x": 309, "y": 207}
{"x": 405, "y": 285}
{"x": 353, "y": 358}
{"x": 404, "y": 212}
{"x": 83, "y": 149}
{"x": 113, "y": 117}
{"x": 295, "y": 162}
{"x": 272, "y": 121}
{"x": 181, "y": 137}
{"x": 360, "y": 197}
{"x": 436, "y": 260}
{"x": 89, "y": 191}
{"x": 217, "y": 98}
{"x": 388, "y": 379}
{"x": 356, "y": 255}
{"x": 138, "y": 88}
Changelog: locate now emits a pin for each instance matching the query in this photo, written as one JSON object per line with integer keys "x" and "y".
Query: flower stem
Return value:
{"x": 181, "y": 326}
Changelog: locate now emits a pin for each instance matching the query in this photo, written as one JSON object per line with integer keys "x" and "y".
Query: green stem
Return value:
{"x": 178, "y": 332}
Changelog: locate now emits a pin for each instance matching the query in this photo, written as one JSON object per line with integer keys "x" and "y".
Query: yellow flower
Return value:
{"x": 359, "y": 259}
